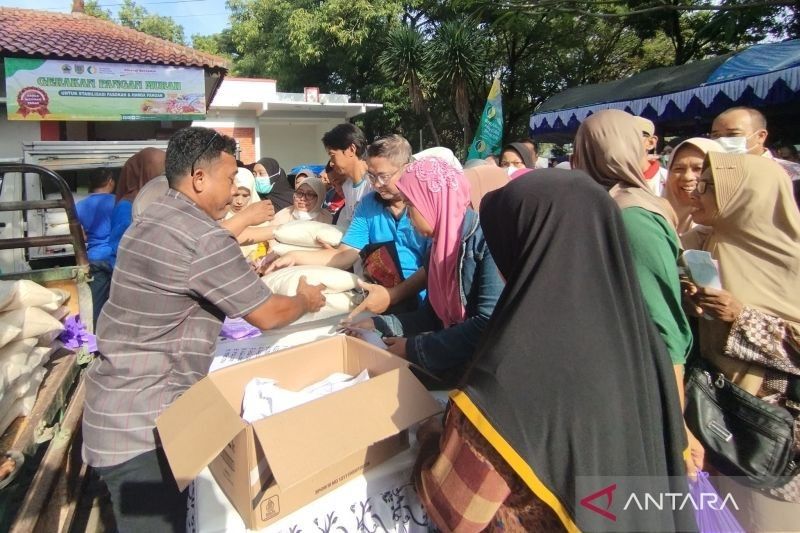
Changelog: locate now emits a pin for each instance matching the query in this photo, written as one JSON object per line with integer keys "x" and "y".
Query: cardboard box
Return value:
{"x": 279, "y": 464}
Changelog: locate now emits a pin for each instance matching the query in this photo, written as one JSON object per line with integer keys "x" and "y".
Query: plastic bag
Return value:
{"x": 237, "y": 329}
{"x": 711, "y": 518}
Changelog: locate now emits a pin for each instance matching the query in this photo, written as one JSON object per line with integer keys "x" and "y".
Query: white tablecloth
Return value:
{"x": 382, "y": 500}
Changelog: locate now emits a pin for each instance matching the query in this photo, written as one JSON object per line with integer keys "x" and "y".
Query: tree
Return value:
{"x": 405, "y": 55}
{"x": 138, "y": 18}
{"x": 457, "y": 60}
{"x": 93, "y": 9}
{"x": 695, "y": 28}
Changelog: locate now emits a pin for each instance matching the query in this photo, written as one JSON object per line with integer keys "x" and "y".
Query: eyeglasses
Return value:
{"x": 308, "y": 196}
{"x": 208, "y": 145}
{"x": 382, "y": 179}
{"x": 506, "y": 164}
{"x": 702, "y": 185}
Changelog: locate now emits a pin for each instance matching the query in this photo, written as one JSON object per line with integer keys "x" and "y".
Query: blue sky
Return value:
{"x": 196, "y": 16}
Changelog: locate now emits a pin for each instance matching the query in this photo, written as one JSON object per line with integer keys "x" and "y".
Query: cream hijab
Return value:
{"x": 756, "y": 238}
{"x": 245, "y": 178}
{"x": 482, "y": 180}
{"x": 683, "y": 211}
{"x": 608, "y": 147}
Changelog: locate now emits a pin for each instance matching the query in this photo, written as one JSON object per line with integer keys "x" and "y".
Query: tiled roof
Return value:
{"x": 27, "y": 32}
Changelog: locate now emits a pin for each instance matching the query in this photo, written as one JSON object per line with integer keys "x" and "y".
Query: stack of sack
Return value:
{"x": 342, "y": 292}
{"x": 30, "y": 321}
{"x": 304, "y": 235}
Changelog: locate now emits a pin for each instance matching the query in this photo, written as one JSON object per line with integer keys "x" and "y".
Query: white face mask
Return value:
{"x": 303, "y": 215}
{"x": 733, "y": 145}
{"x": 510, "y": 170}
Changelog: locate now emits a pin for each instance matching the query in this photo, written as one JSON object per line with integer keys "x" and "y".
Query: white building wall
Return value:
{"x": 295, "y": 142}
{"x": 15, "y": 132}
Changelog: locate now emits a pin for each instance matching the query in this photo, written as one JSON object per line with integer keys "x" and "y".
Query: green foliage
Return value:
{"x": 431, "y": 62}
{"x": 134, "y": 16}
{"x": 93, "y": 9}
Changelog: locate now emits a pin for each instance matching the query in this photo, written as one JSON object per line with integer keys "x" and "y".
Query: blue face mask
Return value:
{"x": 264, "y": 185}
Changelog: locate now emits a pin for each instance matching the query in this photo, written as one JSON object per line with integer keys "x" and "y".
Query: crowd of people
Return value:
{"x": 553, "y": 301}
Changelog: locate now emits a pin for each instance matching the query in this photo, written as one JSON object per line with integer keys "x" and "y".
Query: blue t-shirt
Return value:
{"x": 121, "y": 218}
{"x": 94, "y": 214}
{"x": 373, "y": 223}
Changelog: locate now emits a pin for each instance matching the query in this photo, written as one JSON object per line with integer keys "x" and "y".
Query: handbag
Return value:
{"x": 743, "y": 435}
{"x": 382, "y": 264}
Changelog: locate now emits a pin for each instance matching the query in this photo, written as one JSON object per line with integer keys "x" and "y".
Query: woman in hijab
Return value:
{"x": 684, "y": 168}
{"x": 570, "y": 388}
{"x": 463, "y": 283}
{"x": 482, "y": 180}
{"x": 139, "y": 169}
{"x": 249, "y": 236}
{"x": 516, "y": 158}
{"x": 307, "y": 202}
{"x": 608, "y": 147}
{"x": 272, "y": 183}
{"x": 753, "y": 336}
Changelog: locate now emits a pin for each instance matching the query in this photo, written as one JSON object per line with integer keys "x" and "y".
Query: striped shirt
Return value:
{"x": 178, "y": 274}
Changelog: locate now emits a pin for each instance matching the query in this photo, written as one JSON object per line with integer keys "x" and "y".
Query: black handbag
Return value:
{"x": 743, "y": 435}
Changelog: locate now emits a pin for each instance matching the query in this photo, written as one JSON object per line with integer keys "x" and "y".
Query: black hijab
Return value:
{"x": 525, "y": 153}
{"x": 571, "y": 378}
{"x": 282, "y": 194}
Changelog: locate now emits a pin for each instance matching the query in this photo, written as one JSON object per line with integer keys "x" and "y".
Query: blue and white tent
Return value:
{"x": 760, "y": 76}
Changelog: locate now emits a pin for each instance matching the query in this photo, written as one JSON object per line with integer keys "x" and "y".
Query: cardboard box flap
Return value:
{"x": 302, "y": 441}
{"x": 195, "y": 429}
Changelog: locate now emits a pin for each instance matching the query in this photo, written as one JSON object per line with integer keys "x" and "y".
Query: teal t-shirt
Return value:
{"x": 655, "y": 248}
{"x": 373, "y": 223}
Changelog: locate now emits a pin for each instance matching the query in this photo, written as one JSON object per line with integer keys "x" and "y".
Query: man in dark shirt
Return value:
{"x": 178, "y": 274}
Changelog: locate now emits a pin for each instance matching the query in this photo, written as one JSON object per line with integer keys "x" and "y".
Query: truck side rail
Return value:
{"x": 66, "y": 202}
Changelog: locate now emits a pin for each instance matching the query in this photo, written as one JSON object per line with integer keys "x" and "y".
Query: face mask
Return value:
{"x": 303, "y": 215}
{"x": 510, "y": 170}
{"x": 733, "y": 145}
{"x": 264, "y": 185}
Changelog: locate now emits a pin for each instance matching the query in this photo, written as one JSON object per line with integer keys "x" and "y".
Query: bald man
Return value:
{"x": 743, "y": 130}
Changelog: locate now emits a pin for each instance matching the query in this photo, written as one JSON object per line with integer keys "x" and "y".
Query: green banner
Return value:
{"x": 489, "y": 138}
{"x": 51, "y": 89}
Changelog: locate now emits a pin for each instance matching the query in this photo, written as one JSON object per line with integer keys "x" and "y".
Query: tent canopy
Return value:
{"x": 762, "y": 75}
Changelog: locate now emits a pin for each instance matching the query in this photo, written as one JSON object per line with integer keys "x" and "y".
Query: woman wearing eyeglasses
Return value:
{"x": 752, "y": 331}
{"x": 306, "y": 205}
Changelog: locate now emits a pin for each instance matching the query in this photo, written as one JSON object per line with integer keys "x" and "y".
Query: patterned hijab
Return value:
{"x": 440, "y": 193}
{"x": 683, "y": 211}
{"x": 608, "y": 147}
{"x": 140, "y": 168}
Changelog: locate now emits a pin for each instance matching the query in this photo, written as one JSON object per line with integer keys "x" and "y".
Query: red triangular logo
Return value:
{"x": 608, "y": 492}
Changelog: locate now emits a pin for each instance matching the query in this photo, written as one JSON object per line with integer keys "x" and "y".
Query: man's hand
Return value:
{"x": 718, "y": 303}
{"x": 259, "y": 212}
{"x": 396, "y": 345}
{"x": 377, "y": 301}
{"x": 311, "y": 294}
{"x": 367, "y": 323}
{"x": 278, "y": 262}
